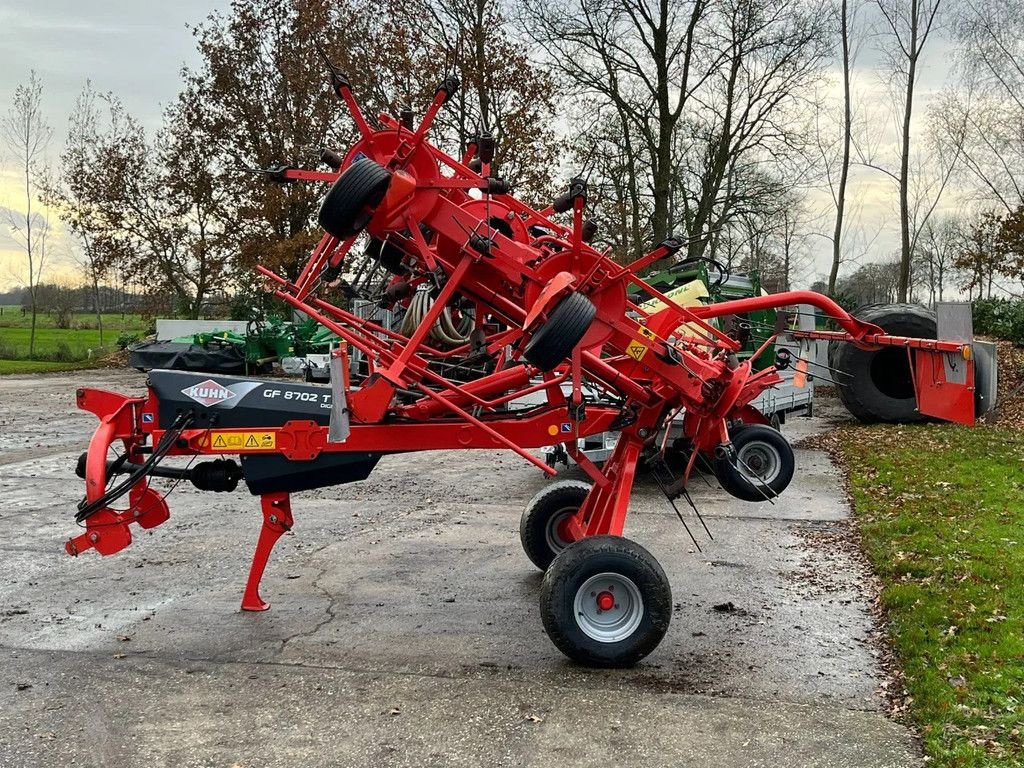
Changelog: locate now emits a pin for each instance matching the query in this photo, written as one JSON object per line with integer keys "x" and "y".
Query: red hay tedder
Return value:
{"x": 549, "y": 318}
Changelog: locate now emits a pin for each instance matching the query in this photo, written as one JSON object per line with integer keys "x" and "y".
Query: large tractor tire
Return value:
{"x": 878, "y": 386}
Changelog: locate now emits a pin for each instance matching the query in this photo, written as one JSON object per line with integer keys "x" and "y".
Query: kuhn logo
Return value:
{"x": 208, "y": 392}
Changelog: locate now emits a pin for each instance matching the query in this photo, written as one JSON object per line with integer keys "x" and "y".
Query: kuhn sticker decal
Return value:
{"x": 208, "y": 393}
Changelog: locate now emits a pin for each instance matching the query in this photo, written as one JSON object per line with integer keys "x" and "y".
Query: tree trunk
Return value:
{"x": 32, "y": 334}
{"x": 844, "y": 172}
{"x": 908, "y": 110}
{"x": 99, "y": 312}
{"x": 480, "y": 52}
{"x": 666, "y": 128}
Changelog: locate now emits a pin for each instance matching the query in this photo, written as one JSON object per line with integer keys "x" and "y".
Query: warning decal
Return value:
{"x": 636, "y": 350}
{"x": 647, "y": 332}
{"x": 248, "y": 441}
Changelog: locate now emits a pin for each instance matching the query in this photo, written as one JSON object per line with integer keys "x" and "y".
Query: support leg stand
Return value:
{"x": 277, "y": 520}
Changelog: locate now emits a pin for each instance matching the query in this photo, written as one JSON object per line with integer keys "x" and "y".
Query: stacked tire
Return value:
{"x": 878, "y": 385}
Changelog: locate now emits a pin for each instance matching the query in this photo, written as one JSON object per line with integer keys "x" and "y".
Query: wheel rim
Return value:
{"x": 608, "y": 607}
{"x": 759, "y": 461}
{"x": 553, "y": 532}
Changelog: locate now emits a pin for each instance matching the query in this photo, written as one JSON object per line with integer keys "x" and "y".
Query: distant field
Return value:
{"x": 59, "y": 348}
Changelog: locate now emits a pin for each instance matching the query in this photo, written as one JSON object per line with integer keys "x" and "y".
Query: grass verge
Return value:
{"x": 940, "y": 509}
{"x": 41, "y": 366}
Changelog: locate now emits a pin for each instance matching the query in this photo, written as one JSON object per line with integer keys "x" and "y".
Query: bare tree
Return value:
{"x": 844, "y": 172}
{"x": 908, "y": 25}
{"x": 986, "y": 105}
{"x": 748, "y": 137}
{"x": 615, "y": 204}
{"x": 645, "y": 60}
{"x": 849, "y": 40}
{"x": 26, "y": 136}
{"x": 792, "y": 235}
{"x": 939, "y": 242}
{"x": 69, "y": 193}
{"x": 874, "y": 283}
{"x": 772, "y": 241}
{"x": 704, "y": 94}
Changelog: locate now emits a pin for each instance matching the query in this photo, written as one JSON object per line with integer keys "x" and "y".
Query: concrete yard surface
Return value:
{"x": 405, "y": 628}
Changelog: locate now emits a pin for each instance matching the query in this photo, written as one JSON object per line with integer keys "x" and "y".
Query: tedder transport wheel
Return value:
{"x": 761, "y": 465}
{"x": 350, "y": 204}
{"x": 540, "y": 527}
{"x": 605, "y": 602}
{"x": 564, "y": 329}
{"x": 878, "y": 386}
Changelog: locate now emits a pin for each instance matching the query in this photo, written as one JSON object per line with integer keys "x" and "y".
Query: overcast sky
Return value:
{"x": 136, "y": 48}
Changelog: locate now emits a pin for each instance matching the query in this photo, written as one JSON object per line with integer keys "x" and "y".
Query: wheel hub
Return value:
{"x": 608, "y": 607}
{"x": 559, "y": 532}
{"x": 759, "y": 461}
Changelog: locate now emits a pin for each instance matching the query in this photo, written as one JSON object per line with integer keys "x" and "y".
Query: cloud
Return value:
{"x": 21, "y": 23}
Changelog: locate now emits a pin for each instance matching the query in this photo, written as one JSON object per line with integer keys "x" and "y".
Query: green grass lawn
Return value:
{"x": 62, "y": 345}
{"x": 38, "y": 366}
{"x": 941, "y": 510}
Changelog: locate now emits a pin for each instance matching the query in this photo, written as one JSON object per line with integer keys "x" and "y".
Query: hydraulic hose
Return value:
{"x": 85, "y": 509}
{"x": 444, "y": 331}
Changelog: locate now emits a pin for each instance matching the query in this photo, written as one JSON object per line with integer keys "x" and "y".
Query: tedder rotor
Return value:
{"x": 554, "y": 350}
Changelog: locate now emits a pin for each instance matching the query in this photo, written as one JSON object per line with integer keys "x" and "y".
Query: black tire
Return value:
{"x": 564, "y": 329}
{"x": 596, "y": 561}
{"x": 984, "y": 376}
{"x": 353, "y": 198}
{"x": 878, "y": 386}
{"x": 538, "y": 528}
{"x": 736, "y": 427}
{"x": 757, "y": 449}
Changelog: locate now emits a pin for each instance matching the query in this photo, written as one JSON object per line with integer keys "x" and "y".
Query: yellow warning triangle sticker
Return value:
{"x": 636, "y": 350}
{"x": 251, "y": 442}
{"x": 220, "y": 442}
